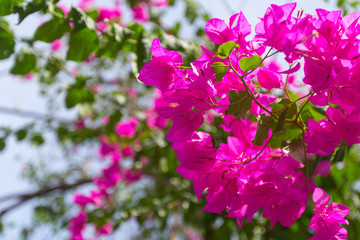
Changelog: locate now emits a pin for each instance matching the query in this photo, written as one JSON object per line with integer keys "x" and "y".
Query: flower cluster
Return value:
{"x": 127, "y": 132}
{"x": 141, "y": 11}
{"x": 264, "y": 163}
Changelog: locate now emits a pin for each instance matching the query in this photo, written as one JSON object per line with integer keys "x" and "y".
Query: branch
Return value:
{"x": 22, "y": 198}
{"x": 32, "y": 115}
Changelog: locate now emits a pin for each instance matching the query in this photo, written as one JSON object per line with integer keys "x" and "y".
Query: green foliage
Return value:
{"x": 78, "y": 93}
{"x": 348, "y": 6}
{"x": 225, "y": 49}
{"x": 37, "y": 139}
{"x": 6, "y": 6}
{"x": 81, "y": 20}
{"x": 82, "y": 43}
{"x": 25, "y": 62}
{"x": 220, "y": 70}
{"x": 112, "y": 41}
{"x": 290, "y": 132}
{"x": 2, "y": 144}
{"x": 285, "y": 107}
{"x": 21, "y": 134}
{"x": 51, "y": 30}
{"x": 45, "y": 214}
{"x": 264, "y": 124}
{"x": 251, "y": 63}
{"x": 27, "y": 8}
{"x": 240, "y": 103}
{"x": 121, "y": 51}
{"x": 7, "y": 41}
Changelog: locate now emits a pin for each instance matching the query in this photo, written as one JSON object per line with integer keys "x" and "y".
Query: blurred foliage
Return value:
{"x": 162, "y": 203}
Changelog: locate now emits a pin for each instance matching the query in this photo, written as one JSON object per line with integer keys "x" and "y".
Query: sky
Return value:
{"x": 24, "y": 95}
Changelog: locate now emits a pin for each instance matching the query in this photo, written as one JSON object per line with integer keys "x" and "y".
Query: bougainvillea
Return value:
{"x": 257, "y": 126}
{"x": 274, "y": 149}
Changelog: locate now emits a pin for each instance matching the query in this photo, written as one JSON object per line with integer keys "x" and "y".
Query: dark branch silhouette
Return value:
{"x": 29, "y": 114}
{"x": 22, "y": 198}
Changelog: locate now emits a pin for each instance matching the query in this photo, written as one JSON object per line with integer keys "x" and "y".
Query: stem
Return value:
{"x": 286, "y": 83}
{"x": 22, "y": 198}
{"x": 262, "y": 61}
{"x": 32, "y": 115}
{"x": 250, "y": 92}
{"x": 307, "y": 167}
{"x": 259, "y": 153}
{"x": 6, "y": 29}
{"x": 305, "y": 96}
{"x": 301, "y": 109}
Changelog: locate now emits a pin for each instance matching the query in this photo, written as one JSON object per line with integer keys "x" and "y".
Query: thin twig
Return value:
{"x": 22, "y": 198}
{"x": 30, "y": 114}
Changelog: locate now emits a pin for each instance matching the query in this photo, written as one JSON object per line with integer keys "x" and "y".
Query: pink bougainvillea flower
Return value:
{"x": 324, "y": 136}
{"x": 128, "y": 151}
{"x": 127, "y": 129}
{"x": 269, "y": 79}
{"x": 77, "y": 225}
{"x": 275, "y": 24}
{"x": 219, "y": 32}
{"x": 63, "y": 8}
{"x": 327, "y": 218}
{"x": 56, "y": 45}
{"x": 94, "y": 198}
{"x": 105, "y": 230}
{"x": 162, "y": 71}
{"x": 109, "y": 178}
{"x": 28, "y": 76}
{"x": 141, "y": 13}
{"x": 79, "y": 124}
{"x": 107, "y": 13}
{"x": 84, "y": 4}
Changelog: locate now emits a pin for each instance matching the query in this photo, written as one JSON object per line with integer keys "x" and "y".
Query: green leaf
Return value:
{"x": 141, "y": 51}
{"x": 130, "y": 43}
{"x": 99, "y": 216}
{"x": 290, "y": 132}
{"x": 108, "y": 47}
{"x": 318, "y": 113}
{"x": 54, "y": 64}
{"x": 37, "y": 139}
{"x": 81, "y": 20}
{"x": 7, "y": 42}
{"x": 2, "y": 144}
{"x": 240, "y": 103}
{"x": 247, "y": 64}
{"x": 285, "y": 104}
{"x": 73, "y": 97}
{"x": 340, "y": 154}
{"x": 112, "y": 41}
{"x": 45, "y": 214}
{"x": 25, "y": 10}
{"x": 82, "y": 43}
{"x": 225, "y": 49}
{"x": 6, "y": 6}
{"x": 264, "y": 124}
{"x": 175, "y": 30}
{"x": 78, "y": 93}
{"x": 296, "y": 149}
{"x": 25, "y": 62}
{"x": 120, "y": 33}
{"x": 313, "y": 112}
{"x": 279, "y": 129}
{"x": 191, "y": 11}
{"x": 21, "y": 134}
{"x": 51, "y": 30}
{"x": 220, "y": 70}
